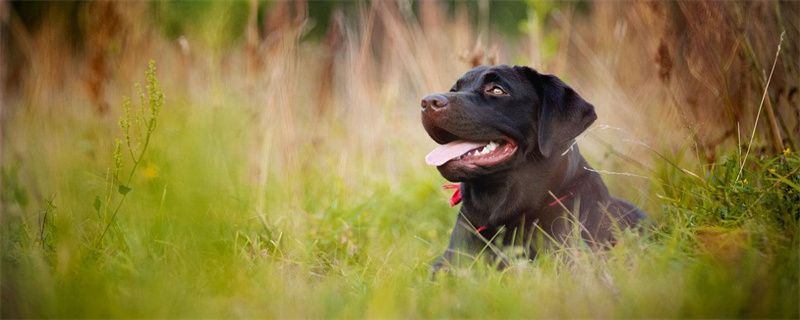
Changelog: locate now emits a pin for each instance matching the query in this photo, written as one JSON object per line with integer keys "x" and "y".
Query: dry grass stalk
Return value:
{"x": 758, "y": 114}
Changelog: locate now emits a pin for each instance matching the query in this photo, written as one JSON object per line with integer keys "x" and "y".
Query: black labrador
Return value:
{"x": 507, "y": 134}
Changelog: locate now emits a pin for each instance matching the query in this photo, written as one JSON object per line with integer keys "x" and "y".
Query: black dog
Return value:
{"x": 507, "y": 134}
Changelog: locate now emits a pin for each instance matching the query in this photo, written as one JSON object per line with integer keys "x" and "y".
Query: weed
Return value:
{"x": 144, "y": 124}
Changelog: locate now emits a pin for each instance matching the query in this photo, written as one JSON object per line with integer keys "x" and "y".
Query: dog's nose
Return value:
{"x": 434, "y": 102}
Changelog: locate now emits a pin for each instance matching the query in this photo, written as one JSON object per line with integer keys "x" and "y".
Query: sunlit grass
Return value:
{"x": 189, "y": 241}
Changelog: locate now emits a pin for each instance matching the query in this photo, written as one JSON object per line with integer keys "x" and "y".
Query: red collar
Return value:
{"x": 456, "y": 199}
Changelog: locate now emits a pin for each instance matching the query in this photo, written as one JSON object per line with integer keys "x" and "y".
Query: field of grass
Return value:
{"x": 216, "y": 191}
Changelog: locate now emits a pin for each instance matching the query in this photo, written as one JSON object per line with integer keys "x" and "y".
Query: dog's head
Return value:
{"x": 495, "y": 118}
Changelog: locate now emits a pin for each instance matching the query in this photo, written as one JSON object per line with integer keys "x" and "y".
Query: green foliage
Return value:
{"x": 766, "y": 193}
{"x": 216, "y": 24}
{"x": 13, "y": 192}
{"x": 539, "y": 18}
{"x": 191, "y": 239}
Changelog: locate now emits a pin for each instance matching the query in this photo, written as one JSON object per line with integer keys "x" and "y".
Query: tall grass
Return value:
{"x": 260, "y": 193}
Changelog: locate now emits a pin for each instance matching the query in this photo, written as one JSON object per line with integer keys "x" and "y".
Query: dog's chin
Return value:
{"x": 462, "y": 174}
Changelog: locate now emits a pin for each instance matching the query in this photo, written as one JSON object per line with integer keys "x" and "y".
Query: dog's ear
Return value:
{"x": 563, "y": 114}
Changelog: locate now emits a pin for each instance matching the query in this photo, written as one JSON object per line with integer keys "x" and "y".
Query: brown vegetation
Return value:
{"x": 694, "y": 68}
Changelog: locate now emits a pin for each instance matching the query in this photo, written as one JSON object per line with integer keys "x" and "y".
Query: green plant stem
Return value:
{"x": 113, "y": 216}
{"x": 127, "y": 183}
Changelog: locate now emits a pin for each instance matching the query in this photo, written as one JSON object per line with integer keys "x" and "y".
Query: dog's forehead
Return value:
{"x": 473, "y": 74}
{"x": 477, "y": 73}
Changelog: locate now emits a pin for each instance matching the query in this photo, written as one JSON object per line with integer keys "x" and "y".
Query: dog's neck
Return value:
{"x": 494, "y": 200}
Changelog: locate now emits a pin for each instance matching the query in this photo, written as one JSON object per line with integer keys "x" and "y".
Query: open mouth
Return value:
{"x": 471, "y": 153}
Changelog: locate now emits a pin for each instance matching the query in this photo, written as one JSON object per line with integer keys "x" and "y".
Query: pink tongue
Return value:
{"x": 447, "y": 152}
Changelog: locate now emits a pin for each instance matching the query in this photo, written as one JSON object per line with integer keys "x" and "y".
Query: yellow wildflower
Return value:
{"x": 150, "y": 171}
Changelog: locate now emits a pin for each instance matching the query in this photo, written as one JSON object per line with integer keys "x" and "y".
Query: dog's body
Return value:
{"x": 507, "y": 136}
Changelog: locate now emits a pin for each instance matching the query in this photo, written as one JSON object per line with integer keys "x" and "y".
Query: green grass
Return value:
{"x": 337, "y": 228}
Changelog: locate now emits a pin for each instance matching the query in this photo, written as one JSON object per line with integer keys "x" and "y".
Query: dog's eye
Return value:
{"x": 497, "y": 91}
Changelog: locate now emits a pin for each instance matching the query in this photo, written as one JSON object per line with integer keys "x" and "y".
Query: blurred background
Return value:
{"x": 287, "y": 155}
